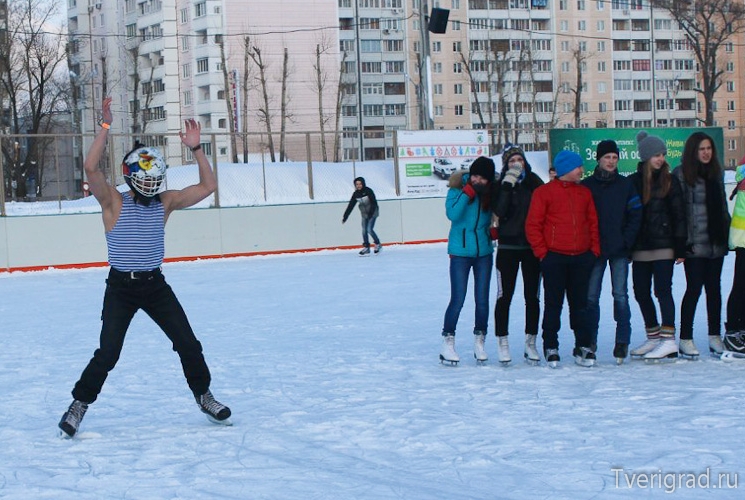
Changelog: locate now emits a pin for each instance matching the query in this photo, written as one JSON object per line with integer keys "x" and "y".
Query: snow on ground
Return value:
{"x": 330, "y": 364}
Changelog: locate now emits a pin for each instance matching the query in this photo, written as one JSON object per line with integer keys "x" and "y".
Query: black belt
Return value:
{"x": 135, "y": 275}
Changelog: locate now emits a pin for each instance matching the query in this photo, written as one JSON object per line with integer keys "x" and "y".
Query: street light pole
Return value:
{"x": 425, "y": 69}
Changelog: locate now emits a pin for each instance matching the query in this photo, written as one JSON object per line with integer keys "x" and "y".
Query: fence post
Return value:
{"x": 395, "y": 163}
{"x": 310, "y": 165}
{"x": 2, "y": 187}
{"x": 213, "y": 140}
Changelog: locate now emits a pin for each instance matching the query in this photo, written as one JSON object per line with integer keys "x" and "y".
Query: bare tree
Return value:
{"x": 342, "y": 86}
{"x": 709, "y": 26}
{"x": 474, "y": 84}
{"x": 580, "y": 58}
{"x": 284, "y": 114}
{"x": 321, "y": 82}
{"x": 264, "y": 110}
{"x": 229, "y": 103}
{"x": 33, "y": 85}
{"x": 246, "y": 81}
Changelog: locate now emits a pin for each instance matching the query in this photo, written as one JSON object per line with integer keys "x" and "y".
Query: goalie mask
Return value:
{"x": 144, "y": 170}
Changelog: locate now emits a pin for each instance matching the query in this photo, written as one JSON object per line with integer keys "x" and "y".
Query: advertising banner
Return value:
{"x": 584, "y": 141}
{"x": 427, "y": 158}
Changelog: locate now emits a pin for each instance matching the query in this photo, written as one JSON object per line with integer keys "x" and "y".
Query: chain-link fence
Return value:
{"x": 43, "y": 174}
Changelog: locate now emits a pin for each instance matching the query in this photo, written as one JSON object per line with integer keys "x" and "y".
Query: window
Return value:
{"x": 437, "y": 88}
{"x": 458, "y": 88}
{"x": 200, "y": 9}
{"x": 184, "y": 15}
{"x": 458, "y": 110}
{"x": 202, "y": 65}
{"x": 370, "y": 46}
{"x": 436, "y": 46}
{"x": 187, "y": 98}
{"x": 457, "y": 67}
{"x": 186, "y": 70}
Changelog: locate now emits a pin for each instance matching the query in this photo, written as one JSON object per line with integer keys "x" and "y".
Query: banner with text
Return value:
{"x": 584, "y": 141}
{"x": 427, "y": 158}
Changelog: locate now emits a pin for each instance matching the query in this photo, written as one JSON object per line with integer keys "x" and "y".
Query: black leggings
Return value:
{"x": 508, "y": 263}
{"x": 706, "y": 274}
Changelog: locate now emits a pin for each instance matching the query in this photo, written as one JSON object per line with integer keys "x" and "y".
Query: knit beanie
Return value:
{"x": 649, "y": 145}
{"x": 483, "y": 167}
{"x": 605, "y": 147}
{"x": 509, "y": 151}
{"x": 566, "y": 161}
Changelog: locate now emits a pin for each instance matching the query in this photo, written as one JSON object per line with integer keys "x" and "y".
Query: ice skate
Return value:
{"x": 734, "y": 341}
{"x": 447, "y": 352}
{"x": 653, "y": 338}
{"x": 365, "y": 251}
{"x": 216, "y": 412}
{"x": 503, "y": 350}
{"x": 378, "y": 248}
{"x": 552, "y": 357}
{"x": 479, "y": 353}
{"x": 620, "y": 352}
{"x": 531, "y": 353}
{"x": 716, "y": 348}
{"x": 687, "y": 349}
{"x": 71, "y": 419}
{"x": 583, "y": 356}
{"x": 666, "y": 350}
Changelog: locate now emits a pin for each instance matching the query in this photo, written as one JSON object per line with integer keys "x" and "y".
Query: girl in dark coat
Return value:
{"x": 369, "y": 212}
{"x": 701, "y": 179}
{"x": 659, "y": 245}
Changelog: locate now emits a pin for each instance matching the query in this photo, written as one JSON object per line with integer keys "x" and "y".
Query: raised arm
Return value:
{"x": 174, "y": 200}
{"x": 102, "y": 191}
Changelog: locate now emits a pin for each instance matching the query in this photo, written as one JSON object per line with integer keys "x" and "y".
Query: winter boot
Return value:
{"x": 653, "y": 338}
{"x": 72, "y": 418}
{"x": 478, "y": 347}
{"x": 531, "y": 353}
{"x": 215, "y": 411}
{"x": 734, "y": 341}
{"x": 365, "y": 251}
{"x": 620, "y": 351}
{"x": 447, "y": 352}
{"x": 503, "y": 349}
{"x": 715, "y": 345}
{"x": 688, "y": 349}
{"x": 552, "y": 357}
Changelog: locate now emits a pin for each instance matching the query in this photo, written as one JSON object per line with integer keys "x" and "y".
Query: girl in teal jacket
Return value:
{"x": 468, "y": 207}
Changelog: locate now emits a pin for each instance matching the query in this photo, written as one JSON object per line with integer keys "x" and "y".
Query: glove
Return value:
{"x": 512, "y": 175}
{"x": 494, "y": 233}
{"x": 469, "y": 191}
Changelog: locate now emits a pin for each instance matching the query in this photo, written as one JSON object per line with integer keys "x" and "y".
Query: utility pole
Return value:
{"x": 425, "y": 69}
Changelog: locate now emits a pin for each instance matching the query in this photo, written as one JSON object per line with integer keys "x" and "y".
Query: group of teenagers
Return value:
{"x": 565, "y": 233}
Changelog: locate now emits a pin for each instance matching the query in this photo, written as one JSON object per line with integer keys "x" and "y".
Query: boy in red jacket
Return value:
{"x": 562, "y": 229}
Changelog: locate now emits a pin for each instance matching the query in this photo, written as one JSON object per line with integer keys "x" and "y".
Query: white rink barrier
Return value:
{"x": 77, "y": 240}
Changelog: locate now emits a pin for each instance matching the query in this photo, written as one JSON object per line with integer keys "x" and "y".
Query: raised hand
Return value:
{"x": 192, "y": 135}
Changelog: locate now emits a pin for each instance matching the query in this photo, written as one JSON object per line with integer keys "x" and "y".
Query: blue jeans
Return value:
{"x": 619, "y": 275}
{"x": 662, "y": 272}
{"x": 460, "y": 268}
{"x": 367, "y": 228}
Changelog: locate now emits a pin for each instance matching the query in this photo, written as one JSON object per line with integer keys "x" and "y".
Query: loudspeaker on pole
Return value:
{"x": 438, "y": 20}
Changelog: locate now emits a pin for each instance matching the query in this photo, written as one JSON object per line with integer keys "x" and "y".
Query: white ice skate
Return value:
{"x": 503, "y": 350}
{"x": 666, "y": 350}
{"x": 531, "y": 353}
{"x": 688, "y": 349}
{"x": 479, "y": 353}
{"x": 447, "y": 352}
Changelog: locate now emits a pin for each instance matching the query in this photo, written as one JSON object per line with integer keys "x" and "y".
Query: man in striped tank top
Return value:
{"x": 134, "y": 223}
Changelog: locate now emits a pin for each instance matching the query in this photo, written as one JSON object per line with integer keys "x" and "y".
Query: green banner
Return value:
{"x": 584, "y": 141}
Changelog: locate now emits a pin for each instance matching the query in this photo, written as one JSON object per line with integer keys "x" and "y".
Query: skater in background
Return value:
{"x": 468, "y": 207}
{"x": 562, "y": 229}
{"x": 134, "y": 223}
{"x": 514, "y": 192}
{"x": 369, "y": 212}
{"x": 619, "y": 217}
{"x": 659, "y": 245}
{"x": 734, "y": 338}
{"x": 707, "y": 215}
{"x": 551, "y": 173}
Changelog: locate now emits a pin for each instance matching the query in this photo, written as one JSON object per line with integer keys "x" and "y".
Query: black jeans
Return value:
{"x": 736, "y": 300}
{"x": 706, "y": 274}
{"x": 123, "y": 298}
{"x": 661, "y": 271}
{"x": 508, "y": 262}
{"x": 570, "y": 275}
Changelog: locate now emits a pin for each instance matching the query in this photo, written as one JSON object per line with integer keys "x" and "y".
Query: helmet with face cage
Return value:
{"x": 144, "y": 169}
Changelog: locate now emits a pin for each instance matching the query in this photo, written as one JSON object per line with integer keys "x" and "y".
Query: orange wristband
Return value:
{"x": 105, "y": 125}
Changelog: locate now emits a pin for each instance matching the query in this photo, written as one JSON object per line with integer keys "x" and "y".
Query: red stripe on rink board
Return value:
{"x": 86, "y": 265}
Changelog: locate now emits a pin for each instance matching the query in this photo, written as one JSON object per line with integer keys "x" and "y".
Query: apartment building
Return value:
{"x": 515, "y": 67}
